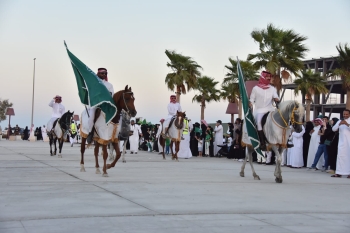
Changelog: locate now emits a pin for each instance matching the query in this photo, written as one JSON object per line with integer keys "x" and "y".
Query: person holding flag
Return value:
{"x": 102, "y": 74}
{"x": 262, "y": 96}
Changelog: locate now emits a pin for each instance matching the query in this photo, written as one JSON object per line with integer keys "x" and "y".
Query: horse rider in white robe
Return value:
{"x": 102, "y": 74}
{"x": 57, "y": 111}
{"x": 173, "y": 107}
{"x": 262, "y": 97}
{"x": 134, "y": 138}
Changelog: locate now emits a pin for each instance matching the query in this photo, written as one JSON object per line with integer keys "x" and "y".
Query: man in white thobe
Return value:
{"x": 102, "y": 74}
{"x": 134, "y": 138}
{"x": 343, "y": 158}
{"x": 57, "y": 111}
{"x": 297, "y": 160}
{"x": 173, "y": 107}
{"x": 219, "y": 133}
{"x": 262, "y": 96}
{"x": 159, "y": 132}
{"x": 314, "y": 143}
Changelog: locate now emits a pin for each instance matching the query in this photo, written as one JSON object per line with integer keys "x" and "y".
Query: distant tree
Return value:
{"x": 184, "y": 73}
{"x": 4, "y": 104}
{"x": 280, "y": 52}
{"x": 230, "y": 87}
{"x": 344, "y": 70}
{"x": 207, "y": 92}
{"x": 309, "y": 84}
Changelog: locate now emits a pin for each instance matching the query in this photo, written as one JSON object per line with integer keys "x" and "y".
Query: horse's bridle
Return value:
{"x": 292, "y": 119}
{"x": 126, "y": 106}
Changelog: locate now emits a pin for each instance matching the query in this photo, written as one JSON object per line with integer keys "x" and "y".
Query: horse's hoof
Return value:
{"x": 241, "y": 174}
{"x": 98, "y": 171}
{"x": 59, "y": 156}
{"x": 104, "y": 175}
{"x": 54, "y": 153}
{"x": 278, "y": 180}
{"x": 82, "y": 168}
{"x": 256, "y": 178}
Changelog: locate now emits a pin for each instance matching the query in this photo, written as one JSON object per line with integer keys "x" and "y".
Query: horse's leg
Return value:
{"x": 117, "y": 156}
{"x": 105, "y": 156}
{"x": 246, "y": 151}
{"x": 111, "y": 148}
{"x": 177, "y": 148}
{"x": 50, "y": 139}
{"x": 96, "y": 149}
{"x": 278, "y": 171}
{"x": 60, "y": 145}
{"x": 82, "y": 151}
{"x": 124, "y": 149}
{"x": 256, "y": 177}
{"x": 162, "y": 143}
{"x": 54, "y": 142}
{"x": 172, "y": 152}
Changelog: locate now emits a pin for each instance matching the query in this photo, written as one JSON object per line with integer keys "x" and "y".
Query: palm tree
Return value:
{"x": 280, "y": 51}
{"x": 230, "y": 87}
{"x": 207, "y": 92}
{"x": 184, "y": 73}
{"x": 344, "y": 70}
{"x": 309, "y": 84}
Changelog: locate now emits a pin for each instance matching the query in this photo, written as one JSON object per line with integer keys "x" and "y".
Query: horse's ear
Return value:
{"x": 130, "y": 89}
{"x": 126, "y": 88}
{"x": 73, "y": 113}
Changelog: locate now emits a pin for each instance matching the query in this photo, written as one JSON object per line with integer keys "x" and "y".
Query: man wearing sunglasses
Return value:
{"x": 173, "y": 107}
{"x": 102, "y": 74}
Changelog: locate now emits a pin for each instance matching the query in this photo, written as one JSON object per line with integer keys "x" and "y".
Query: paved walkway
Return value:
{"x": 40, "y": 193}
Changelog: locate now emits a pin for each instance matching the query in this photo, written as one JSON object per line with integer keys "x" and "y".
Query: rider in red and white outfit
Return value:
{"x": 57, "y": 111}
{"x": 262, "y": 97}
{"x": 102, "y": 74}
{"x": 173, "y": 107}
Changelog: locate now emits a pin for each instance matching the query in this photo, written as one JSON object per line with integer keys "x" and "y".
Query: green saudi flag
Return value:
{"x": 248, "y": 116}
{"x": 92, "y": 91}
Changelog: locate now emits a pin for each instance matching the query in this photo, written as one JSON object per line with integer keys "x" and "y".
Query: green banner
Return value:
{"x": 248, "y": 116}
{"x": 92, "y": 91}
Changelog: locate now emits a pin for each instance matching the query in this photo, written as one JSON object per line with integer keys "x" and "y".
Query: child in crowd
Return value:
{"x": 200, "y": 145}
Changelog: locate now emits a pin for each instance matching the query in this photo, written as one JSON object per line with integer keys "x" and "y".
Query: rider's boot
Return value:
{"x": 262, "y": 140}
{"x": 90, "y": 137}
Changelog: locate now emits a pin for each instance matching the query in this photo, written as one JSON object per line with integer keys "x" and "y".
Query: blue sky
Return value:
{"x": 129, "y": 39}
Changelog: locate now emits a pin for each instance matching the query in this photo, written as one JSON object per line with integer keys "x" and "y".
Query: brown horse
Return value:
{"x": 104, "y": 133}
{"x": 175, "y": 134}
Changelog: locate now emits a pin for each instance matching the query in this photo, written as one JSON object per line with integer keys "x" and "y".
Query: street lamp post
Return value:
{"x": 31, "y": 121}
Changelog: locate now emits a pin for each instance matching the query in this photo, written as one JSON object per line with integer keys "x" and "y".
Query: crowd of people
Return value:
{"x": 321, "y": 145}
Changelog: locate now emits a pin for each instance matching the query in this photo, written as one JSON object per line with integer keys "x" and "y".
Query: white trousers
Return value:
{"x": 268, "y": 156}
{"x": 261, "y": 158}
{"x": 258, "y": 118}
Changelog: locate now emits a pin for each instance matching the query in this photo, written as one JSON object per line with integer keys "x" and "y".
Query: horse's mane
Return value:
{"x": 63, "y": 117}
{"x": 290, "y": 104}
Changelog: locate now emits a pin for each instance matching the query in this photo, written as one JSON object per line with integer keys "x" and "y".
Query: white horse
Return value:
{"x": 175, "y": 134}
{"x": 277, "y": 131}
